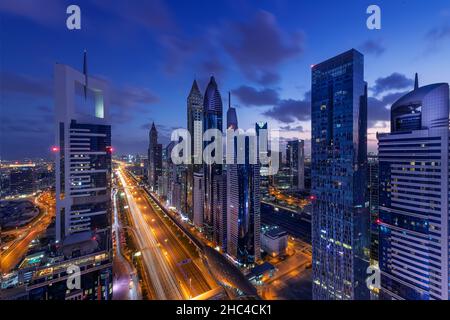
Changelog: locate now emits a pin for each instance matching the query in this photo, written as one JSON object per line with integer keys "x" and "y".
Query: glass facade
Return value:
{"x": 214, "y": 213}
{"x": 340, "y": 217}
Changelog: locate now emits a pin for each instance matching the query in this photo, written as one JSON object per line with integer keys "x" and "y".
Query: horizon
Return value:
{"x": 148, "y": 77}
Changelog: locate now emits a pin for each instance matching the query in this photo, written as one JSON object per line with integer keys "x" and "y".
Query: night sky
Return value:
{"x": 261, "y": 51}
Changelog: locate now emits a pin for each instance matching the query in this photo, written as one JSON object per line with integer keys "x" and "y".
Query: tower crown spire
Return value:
{"x": 416, "y": 82}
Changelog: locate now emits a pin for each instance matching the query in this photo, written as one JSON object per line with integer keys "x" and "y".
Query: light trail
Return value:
{"x": 163, "y": 279}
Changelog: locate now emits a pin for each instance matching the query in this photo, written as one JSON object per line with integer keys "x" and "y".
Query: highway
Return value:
{"x": 171, "y": 263}
{"x": 19, "y": 247}
{"x": 125, "y": 284}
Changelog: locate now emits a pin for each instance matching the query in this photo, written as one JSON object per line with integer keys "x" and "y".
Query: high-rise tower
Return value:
{"x": 194, "y": 196}
{"x": 83, "y": 182}
{"x": 154, "y": 158}
{"x": 338, "y": 171}
{"x": 214, "y": 215}
{"x": 414, "y": 197}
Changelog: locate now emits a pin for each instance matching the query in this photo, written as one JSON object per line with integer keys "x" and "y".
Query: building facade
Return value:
{"x": 413, "y": 201}
{"x": 154, "y": 159}
{"x": 194, "y": 199}
{"x": 340, "y": 218}
{"x": 83, "y": 177}
{"x": 214, "y": 212}
{"x": 295, "y": 161}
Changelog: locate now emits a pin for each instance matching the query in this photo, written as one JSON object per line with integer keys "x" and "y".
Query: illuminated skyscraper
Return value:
{"x": 194, "y": 196}
{"x": 295, "y": 161}
{"x": 338, "y": 171}
{"x": 214, "y": 213}
{"x": 243, "y": 201}
{"x": 83, "y": 183}
{"x": 154, "y": 158}
{"x": 414, "y": 197}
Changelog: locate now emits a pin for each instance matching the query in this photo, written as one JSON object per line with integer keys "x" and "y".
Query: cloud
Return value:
{"x": 290, "y": 110}
{"x": 14, "y": 83}
{"x": 250, "y": 96}
{"x": 373, "y": 47}
{"x": 436, "y": 37}
{"x": 395, "y": 81}
{"x": 259, "y": 46}
{"x": 288, "y": 127}
{"x": 129, "y": 96}
{"x": 438, "y": 33}
{"x": 153, "y": 15}
{"x": 52, "y": 14}
{"x": 379, "y": 109}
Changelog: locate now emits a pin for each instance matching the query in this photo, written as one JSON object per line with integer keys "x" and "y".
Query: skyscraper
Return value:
{"x": 413, "y": 201}
{"x": 373, "y": 189}
{"x": 83, "y": 180}
{"x": 194, "y": 196}
{"x": 154, "y": 158}
{"x": 214, "y": 213}
{"x": 295, "y": 160}
{"x": 338, "y": 170}
{"x": 243, "y": 202}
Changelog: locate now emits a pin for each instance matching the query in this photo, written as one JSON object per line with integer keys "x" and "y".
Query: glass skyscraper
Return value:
{"x": 214, "y": 213}
{"x": 338, "y": 169}
{"x": 414, "y": 197}
{"x": 194, "y": 198}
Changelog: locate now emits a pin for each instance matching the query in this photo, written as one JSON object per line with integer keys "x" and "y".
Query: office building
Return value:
{"x": 83, "y": 185}
{"x": 214, "y": 212}
{"x": 154, "y": 159}
{"x": 413, "y": 200}
{"x": 194, "y": 198}
{"x": 295, "y": 161}
{"x": 340, "y": 218}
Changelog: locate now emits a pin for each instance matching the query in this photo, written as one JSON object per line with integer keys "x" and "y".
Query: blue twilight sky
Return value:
{"x": 262, "y": 50}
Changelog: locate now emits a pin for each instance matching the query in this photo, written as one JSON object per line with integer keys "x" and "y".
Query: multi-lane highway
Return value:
{"x": 24, "y": 235}
{"x": 172, "y": 265}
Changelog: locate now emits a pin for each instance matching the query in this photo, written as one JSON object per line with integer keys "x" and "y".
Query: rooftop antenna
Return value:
{"x": 85, "y": 74}
{"x": 229, "y": 99}
{"x": 416, "y": 82}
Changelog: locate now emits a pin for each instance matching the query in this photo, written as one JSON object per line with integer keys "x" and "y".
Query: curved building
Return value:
{"x": 214, "y": 213}
{"x": 414, "y": 197}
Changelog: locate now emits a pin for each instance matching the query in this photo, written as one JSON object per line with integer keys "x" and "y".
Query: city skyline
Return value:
{"x": 258, "y": 154}
{"x": 274, "y": 85}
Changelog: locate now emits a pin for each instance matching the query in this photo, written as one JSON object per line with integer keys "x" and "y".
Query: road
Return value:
{"x": 19, "y": 247}
{"x": 125, "y": 283}
{"x": 171, "y": 264}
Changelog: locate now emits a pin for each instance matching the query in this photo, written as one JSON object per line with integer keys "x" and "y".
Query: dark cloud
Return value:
{"x": 129, "y": 96}
{"x": 290, "y": 110}
{"x": 258, "y": 46}
{"x": 268, "y": 77}
{"x": 292, "y": 128}
{"x": 250, "y": 96}
{"x": 395, "y": 81}
{"x": 14, "y": 83}
{"x": 379, "y": 109}
{"x": 373, "y": 47}
{"x": 213, "y": 66}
